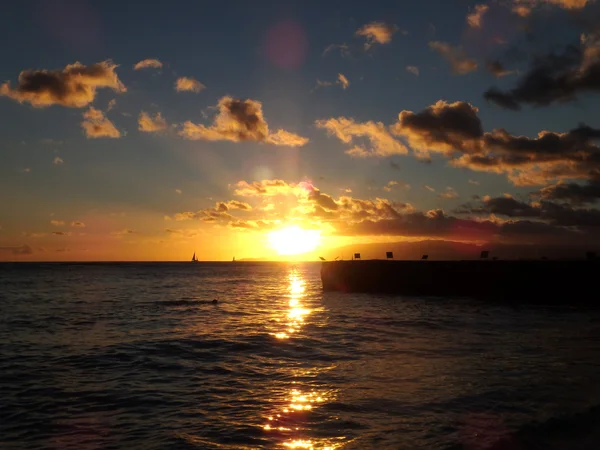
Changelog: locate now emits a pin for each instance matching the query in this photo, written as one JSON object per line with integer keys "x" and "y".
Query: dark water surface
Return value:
{"x": 128, "y": 356}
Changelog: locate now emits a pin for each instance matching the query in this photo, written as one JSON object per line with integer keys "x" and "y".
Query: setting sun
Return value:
{"x": 294, "y": 240}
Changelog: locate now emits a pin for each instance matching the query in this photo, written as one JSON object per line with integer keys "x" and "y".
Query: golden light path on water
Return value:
{"x": 289, "y": 421}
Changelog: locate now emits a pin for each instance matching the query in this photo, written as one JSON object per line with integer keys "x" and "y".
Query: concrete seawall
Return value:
{"x": 532, "y": 281}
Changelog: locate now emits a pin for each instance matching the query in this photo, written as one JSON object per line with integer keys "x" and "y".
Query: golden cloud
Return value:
{"x": 475, "y": 17}
{"x": 377, "y": 33}
{"x": 73, "y": 87}
{"x": 382, "y": 143}
{"x": 190, "y": 84}
{"x": 97, "y": 125}
{"x": 240, "y": 120}
{"x": 148, "y": 63}
{"x": 149, "y": 124}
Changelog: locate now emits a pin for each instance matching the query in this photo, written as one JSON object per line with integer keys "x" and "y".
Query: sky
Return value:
{"x": 259, "y": 129}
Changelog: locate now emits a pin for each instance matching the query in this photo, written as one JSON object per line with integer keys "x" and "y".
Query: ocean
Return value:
{"x": 138, "y": 356}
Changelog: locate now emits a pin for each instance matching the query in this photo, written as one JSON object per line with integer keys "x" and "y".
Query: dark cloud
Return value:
{"x": 443, "y": 127}
{"x": 558, "y": 215}
{"x": 437, "y": 224}
{"x": 554, "y": 78}
{"x": 240, "y": 120}
{"x": 455, "y": 131}
{"x": 323, "y": 200}
{"x": 74, "y": 87}
{"x": 573, "y": 192}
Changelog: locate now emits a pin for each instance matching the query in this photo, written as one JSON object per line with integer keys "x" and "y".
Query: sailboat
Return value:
{"x": 194, "y": 259}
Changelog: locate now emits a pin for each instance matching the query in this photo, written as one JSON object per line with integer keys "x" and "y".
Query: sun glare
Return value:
{"x": 294, "y": 240}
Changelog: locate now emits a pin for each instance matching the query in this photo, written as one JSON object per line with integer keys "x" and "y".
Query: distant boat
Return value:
{"x": 194, "y": 259}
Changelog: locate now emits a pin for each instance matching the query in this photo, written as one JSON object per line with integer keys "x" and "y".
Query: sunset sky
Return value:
{"x": 148, "y": 133}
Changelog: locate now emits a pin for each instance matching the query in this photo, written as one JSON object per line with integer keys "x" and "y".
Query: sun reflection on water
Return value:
{"x": 296, "y": 314}
{"x": 289, "y": 423}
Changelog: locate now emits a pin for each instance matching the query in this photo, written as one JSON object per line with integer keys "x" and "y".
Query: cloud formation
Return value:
{"x": 237, "y": 121}
{"x": 149, "y": 124}
{"x": 382, "y": 143}
{"x": 57, "y": 161}
{"x": 97, "y": 125}
{"x": 73, "y": 87}
{"x": 188, "y": 84}
{"x": 555, "y": 78}
{"x": 474, "y": 18}
{"x": 456, "y": 56}
{"x": 524, "y": 7}
{"x": 148, "y": 63}
{"x": 377, "y": 33}
{"x": 343, "y": 81}
{"x": 454, "y": 130}
{"x": 443, "y": 127}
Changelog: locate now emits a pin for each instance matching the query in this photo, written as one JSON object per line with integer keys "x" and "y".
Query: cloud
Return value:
{"x": 524, "y": 7}
{"x": 343, "y": 81}
{"x": 262, "y": 188}
{"x": 429, "y": 188}
{"x": 413, "y": 69}
{"x": 178, "y": 191}
{"x": 443, "y": 127}
{"x": 148, "y": 63}
{"x": 573, "y": 192}
{"x": 475, "y": 17}
{"x": 149, "y": 124}
{"x": 26, "y": 170}
{"x": 343, "y": 48}
{"x": 97, "y": 125}
{"x": 285, "y": 138}
{"x": 497, "y": 69}
{"x": 112, "y": 104}
{"x": 57, "y": 223}
{"x": 552, "y": 213}
{"x": 123, "y": 232}
{"x": 61, "y": 233}
{"x": 456, "y": 56}
{"x": 19, "y": 250}
{"x": 455, "y": 131}
{"x": 400, "y": 184}
{"x": 77, "y": 224}
{"x": 449, "y": 194}
{"x": 58, "y": 161}
{"x": 73, "y": 87}
{"x": 554, "y": 78}
{"x": 530, "y": 223}
{"x": 473, "y": 182}
{"x": 321, "y": 84}
{"x": 233, "y": 204}
{"x": 188, "y": 84}
{"x": 382, "y": 143}
{"x": 240, "y": 120}
{"x": 377, "y": 33}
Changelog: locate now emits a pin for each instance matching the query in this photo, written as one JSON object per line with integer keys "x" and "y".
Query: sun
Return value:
{"x": 294, "y": 240}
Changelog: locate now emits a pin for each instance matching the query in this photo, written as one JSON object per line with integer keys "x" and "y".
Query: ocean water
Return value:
{"x": 136, "y": 356}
